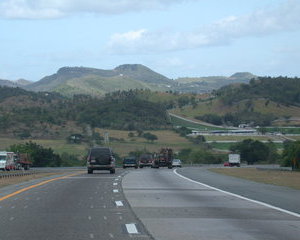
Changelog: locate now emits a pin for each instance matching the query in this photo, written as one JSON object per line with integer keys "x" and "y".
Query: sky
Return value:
{"x": 177, "y": 38}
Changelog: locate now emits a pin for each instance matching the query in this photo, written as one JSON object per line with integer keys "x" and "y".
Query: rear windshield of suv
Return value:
{"x": 100, "y": 154}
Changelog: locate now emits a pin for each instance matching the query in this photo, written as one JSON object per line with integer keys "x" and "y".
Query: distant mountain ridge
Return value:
{"x": 17, "y": 83}
{"x": 92, "y": 81}
{"x": 204, "y": 84}
{"x": 77, "y": 80}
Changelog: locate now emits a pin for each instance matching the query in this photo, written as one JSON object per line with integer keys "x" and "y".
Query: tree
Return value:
{"x": 198, "y": 140}
{"x": 251, "y": 151}
{"x": 131, "y": 134}
{"x": 291, "y": 155}
{"x": 41, "y": 157}
{"x": 150, "y": 137}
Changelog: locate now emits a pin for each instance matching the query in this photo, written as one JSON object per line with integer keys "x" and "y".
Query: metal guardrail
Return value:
{"x": 12, "y": 174}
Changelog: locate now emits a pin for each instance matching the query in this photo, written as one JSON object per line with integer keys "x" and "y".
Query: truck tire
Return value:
{"x": 112, "y": 171}
{"x": 90, "y": 171}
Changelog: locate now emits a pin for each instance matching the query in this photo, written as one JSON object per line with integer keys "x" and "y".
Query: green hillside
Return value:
{"x": 205, "y": 84}
{"x": 29, "y": 114}
{"x": 260, "y": 102}
{"x": 80, "y": 80}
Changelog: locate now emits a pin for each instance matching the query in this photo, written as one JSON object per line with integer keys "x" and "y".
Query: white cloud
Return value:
{"x": 38, "y": 9}
{"x": 285, "y": 17}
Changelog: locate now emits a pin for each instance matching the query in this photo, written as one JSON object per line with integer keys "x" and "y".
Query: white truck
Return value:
{"x": 2, "y": 160}
{"x": 7, "y": 161}
{"x": 234, "y": 160}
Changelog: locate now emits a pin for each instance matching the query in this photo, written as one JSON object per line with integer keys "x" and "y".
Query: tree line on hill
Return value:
{"x": 282, "y": 90}
{"x": 119, "y": 111}
{"x": 236, "y": 118}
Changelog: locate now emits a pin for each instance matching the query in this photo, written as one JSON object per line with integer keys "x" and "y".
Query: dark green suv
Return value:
{"x": 100, "y": 158}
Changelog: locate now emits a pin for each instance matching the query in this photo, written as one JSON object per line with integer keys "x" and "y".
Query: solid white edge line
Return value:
{"x": 239, "y": 196}
{"x": 131, "y": 228}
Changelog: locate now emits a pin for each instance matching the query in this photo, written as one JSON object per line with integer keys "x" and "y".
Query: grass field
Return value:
{"x": 297, "y": 138}
{"x": 120, "y": 142}
{"x": 221, "y": 146}
{"x": 279, "y": 178}
{"x": 284, "y": 130}
{"x": 216, "y": 106}
{"x": 166, "y": 138}
{"x": 58, "y": 145}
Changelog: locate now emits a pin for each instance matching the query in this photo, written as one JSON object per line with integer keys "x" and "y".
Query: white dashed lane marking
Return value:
{"x": 115, "y": 190}
{"x": 131, "y": 228}
{"x": 111, "y": 235}
{"x": 119, "y": 203}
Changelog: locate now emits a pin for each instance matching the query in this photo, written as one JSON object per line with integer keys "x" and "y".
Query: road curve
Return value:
{"x": 173, "y": 208}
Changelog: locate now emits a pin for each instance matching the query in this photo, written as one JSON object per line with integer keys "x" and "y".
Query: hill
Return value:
{"x": 17, "y": 83}
{"x": 30, "y": 114}
{"x": 260, "y": 102}
{"x": 23, "y": 82}
{"x": 82, "y": 80}
{"x": 207, "y": 84}
{"x": 8, "y": 83}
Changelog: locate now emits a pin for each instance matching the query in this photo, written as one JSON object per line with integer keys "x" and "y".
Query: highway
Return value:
{"x": 174, "y": 208}
{"x": 159, "y": 204}
{"x": 79, "y": 206}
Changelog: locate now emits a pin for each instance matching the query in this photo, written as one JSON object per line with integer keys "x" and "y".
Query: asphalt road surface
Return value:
{"x": 174, "y": 208}
{"x": 143, "y": 204}
{"x": 75, "y": 207}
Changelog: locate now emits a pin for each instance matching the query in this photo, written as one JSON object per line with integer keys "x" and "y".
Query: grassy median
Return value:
{"x": 279, "y": 178}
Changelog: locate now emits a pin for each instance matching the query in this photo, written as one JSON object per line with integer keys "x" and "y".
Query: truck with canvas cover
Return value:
{"x": 164, "y": 158}
{"x": 23, "y": 160}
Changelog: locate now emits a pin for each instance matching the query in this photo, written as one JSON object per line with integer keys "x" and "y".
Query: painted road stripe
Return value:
{"x": 92, "y": 177}
{"x": 115, "y": 190}
{"x": 119, "y": 203}
{"x": 36, "y": 185}
{"x": 239, "y": 196}
{"x": 131, "y": 228}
